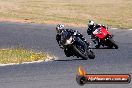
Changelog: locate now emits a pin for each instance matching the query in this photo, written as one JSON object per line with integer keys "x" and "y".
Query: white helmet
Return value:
{"x": 59, "y": 27}
{"x": 91, "y": 23}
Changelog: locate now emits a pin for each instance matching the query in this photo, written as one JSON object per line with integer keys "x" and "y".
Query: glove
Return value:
{"x": 61, "y": 47}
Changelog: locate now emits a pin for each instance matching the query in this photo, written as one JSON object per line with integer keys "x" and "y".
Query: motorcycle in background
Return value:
{"x": 105, "y": 38}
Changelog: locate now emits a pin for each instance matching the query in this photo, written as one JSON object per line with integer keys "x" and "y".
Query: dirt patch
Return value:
{"x": 15, "y": 20}
{"x": 116, "y": 13}
{"x": 45, "y": 22}
{"x": 67, "y": 24}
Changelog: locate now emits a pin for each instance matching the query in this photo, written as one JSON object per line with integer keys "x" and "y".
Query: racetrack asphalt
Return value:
{"x": 60, "y": 73}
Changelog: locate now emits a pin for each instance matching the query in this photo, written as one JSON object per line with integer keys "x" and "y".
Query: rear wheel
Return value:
{"x": 97, "y": 46}
{"x": 91, "y": 54}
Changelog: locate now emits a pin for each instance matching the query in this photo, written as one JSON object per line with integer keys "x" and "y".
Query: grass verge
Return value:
{"x": 115, "y": 13}
{"x": 8, "y": 56}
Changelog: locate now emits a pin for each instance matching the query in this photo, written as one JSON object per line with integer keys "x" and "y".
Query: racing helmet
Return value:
{"x": 59, "y": 28}
{"x": 91, "y": 23}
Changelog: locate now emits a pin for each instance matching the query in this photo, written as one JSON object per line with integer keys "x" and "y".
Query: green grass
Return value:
{"x": 115, "y": 13}
{"x": 20, "y": 55}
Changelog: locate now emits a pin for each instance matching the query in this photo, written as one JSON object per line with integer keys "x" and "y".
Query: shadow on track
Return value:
{"x": 69, "y": 60}
{"x": 102, "y": 48}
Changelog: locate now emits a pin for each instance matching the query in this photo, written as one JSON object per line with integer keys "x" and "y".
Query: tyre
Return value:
{"x": 97, "y": 46}
{"x": 113, "y": 44}
{"x": 80, "y": 52}
{"x": 91, "y": 54}
{"x": 67, "y": 53}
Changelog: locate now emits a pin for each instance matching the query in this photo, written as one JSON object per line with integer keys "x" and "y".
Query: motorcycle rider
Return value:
{"x": 61, "y": 28}
{"x": 91, "y": 28}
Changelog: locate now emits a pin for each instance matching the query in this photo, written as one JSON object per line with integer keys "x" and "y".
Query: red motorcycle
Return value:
{"x": 104, "y": 38}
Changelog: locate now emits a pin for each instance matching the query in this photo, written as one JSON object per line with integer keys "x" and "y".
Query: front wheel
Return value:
{"x": 80, "y": 52}
{"x": 113, "y": 44}
{"x": 67, "y": 53}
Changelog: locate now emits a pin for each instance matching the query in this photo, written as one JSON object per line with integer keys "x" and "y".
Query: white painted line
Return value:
{"x": 118, "y": 28}
{"x": 9, "y": 64}
{"x": 113, "y": 28}
{"x": 39, "y": 61}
